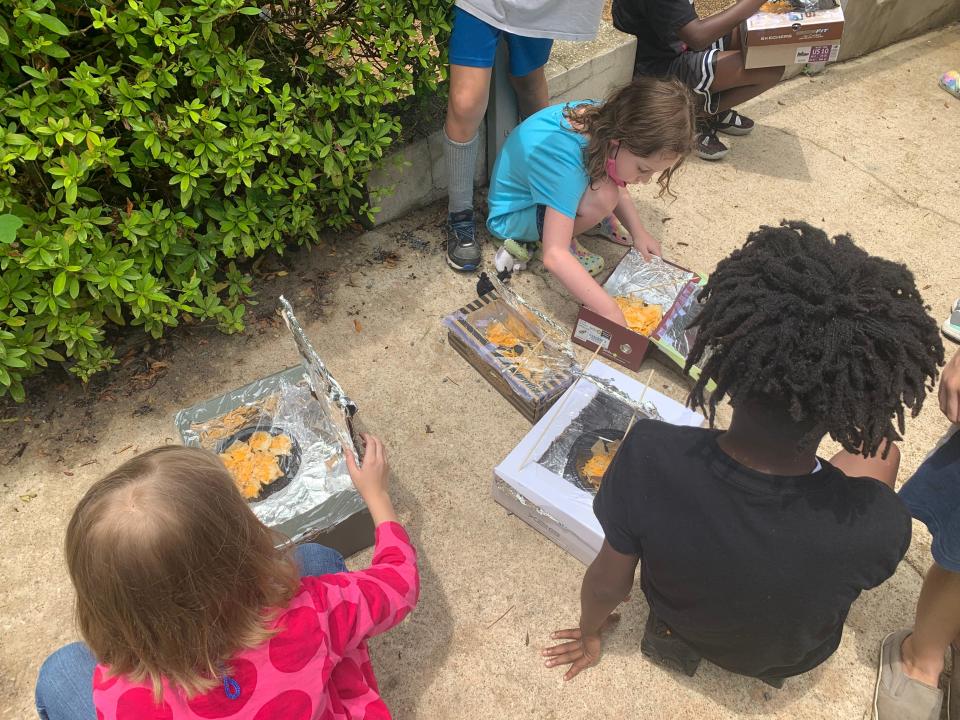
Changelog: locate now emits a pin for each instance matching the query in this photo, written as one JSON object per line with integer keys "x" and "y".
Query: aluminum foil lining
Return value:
{"x": 606, "y": 417}
{"x": 656, "y": 282}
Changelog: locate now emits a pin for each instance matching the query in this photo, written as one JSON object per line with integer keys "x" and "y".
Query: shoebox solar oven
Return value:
{"x": 785, "y": 32}
{"x": 510, "y": 349}
{"x": 549, "y": 480}
{"x": 282, "y": 438}
{"x": 662, "y": 287}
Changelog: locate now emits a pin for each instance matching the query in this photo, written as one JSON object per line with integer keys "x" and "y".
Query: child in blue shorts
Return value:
{"x": 529, "y": 28}
{"x": 911, "y": 660}
{"x": 566, "y": 168}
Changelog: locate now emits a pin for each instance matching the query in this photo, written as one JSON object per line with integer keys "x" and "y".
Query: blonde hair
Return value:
{"x": 173, "y": 571}
{"x": 646, "y": 116}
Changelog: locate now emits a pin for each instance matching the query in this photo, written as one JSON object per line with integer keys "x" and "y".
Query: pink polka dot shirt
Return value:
{"x": 316, "y": 668}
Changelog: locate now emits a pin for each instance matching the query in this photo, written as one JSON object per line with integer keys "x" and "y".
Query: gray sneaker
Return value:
{"x": 463, "y": 250}
{"x": 897, "y": 696}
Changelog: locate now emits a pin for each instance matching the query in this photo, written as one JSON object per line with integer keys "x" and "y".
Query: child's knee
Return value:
{"x": 464, "y": 103}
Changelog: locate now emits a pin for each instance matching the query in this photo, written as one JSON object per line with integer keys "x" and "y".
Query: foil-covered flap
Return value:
{"x": 326, "y": 388}
{"x": 656, "y": 281}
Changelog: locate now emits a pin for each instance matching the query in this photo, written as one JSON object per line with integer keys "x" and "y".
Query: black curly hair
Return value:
{"x": 838, "y": 338}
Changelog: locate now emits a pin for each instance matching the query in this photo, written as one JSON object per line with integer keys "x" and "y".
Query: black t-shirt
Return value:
{"x": 757, "y": 572}
{"x": 655, "y": 23}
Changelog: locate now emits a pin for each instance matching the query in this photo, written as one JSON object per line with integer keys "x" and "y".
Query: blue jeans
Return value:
{"x": 65, "y": 683}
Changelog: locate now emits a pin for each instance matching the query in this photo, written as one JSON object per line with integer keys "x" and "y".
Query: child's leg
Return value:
{"x": 314, "y": 560}
{"x": 735, "y": 84}
{"x": 937, "y": 625}
{"x": 528, "y": 56}
{"x": 65, "y": 684}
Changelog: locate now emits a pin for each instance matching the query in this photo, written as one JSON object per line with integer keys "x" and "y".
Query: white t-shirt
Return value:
{"x": 554, "y": 19}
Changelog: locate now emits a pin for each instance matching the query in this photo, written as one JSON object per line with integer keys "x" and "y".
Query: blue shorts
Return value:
{"x": 473, "y": 43}
{"x": 933, "y": 497}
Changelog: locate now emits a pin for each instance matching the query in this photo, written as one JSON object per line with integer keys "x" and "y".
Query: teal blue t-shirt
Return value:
{"x": 541, "y": 163}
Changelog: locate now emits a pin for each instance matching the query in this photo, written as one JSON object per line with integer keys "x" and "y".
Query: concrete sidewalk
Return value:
{"x": 867, "y": 148}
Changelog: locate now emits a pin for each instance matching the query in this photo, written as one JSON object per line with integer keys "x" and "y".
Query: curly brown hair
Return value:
{"x": 174, "y": 573}
{"x": 646, "y": 116}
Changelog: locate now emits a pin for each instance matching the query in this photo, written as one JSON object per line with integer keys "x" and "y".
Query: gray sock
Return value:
{"x": 461, "y": 165}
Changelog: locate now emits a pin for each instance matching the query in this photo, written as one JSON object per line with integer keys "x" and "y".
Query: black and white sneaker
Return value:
{"x": 709, "y": 146}
{"x": 732, "y": 123}
{"x": 463, "y": 250}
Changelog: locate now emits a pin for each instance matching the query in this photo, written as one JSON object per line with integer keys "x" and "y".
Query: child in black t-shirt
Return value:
{"x": 673, "y": 41}
{"x": 752, "y": 548}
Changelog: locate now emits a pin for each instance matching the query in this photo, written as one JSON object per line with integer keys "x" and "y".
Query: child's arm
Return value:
{"x": 368, "y": 602}
{"x": 626, "y": 212}
{"x": 701, "y": 33}
{"x": 557, "y": 258}
{"x": 606, "y": 584}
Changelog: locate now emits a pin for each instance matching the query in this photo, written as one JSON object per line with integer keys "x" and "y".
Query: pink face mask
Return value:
{"x": 612, "y": 169}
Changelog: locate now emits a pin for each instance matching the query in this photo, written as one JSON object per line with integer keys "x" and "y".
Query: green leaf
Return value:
{"x": 16, "y": 392}
{"x": 4, "y": 38}
{"x": 60, "y": 283}
{"x": 249, "y": 10}
{"x": 4, "y": 377}
{"x": 9, "y": 224}
{"x": 50, "y": 23}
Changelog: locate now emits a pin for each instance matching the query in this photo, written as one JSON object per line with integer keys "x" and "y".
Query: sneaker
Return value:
{"x": 709, "y": 146}
{"x": 733, "y": 123}
{"x": 897, "y": 696}
{"x": 951, "y": 328}
{"x": 463, "y": 250}
{"x": 666, "y": 649}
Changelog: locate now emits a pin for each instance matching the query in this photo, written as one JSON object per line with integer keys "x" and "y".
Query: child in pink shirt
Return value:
{"x": 190, "y": 612}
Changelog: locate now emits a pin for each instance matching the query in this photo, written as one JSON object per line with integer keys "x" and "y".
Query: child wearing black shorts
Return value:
{"x": 753, "y": 547}
{"x": 704, "y": 53}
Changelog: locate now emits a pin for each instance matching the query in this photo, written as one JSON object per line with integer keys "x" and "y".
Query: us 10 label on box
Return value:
{"x": 817, "y": 53}
{"x": 588, "y": 332}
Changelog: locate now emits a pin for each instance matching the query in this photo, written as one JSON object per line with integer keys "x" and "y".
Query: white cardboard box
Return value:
{"x": 546, "y": 501}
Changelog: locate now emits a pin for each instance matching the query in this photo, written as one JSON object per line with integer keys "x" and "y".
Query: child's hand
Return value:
{"x": 646, "y": 244}
{"x": 950, "y": 389}
{"x": 581, "y": 651}
{"x": 372, "y": 478}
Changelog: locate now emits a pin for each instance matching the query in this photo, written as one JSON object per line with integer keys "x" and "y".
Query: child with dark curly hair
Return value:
{"x": 753, "y": 547}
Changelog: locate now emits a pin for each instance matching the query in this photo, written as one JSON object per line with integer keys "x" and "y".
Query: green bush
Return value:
{"x": 150, "y": 148}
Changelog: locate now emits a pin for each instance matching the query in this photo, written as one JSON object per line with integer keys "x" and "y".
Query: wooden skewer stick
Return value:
{"x": 517, "y": 367}
{"x": 566, "y": 399}
{"x": 633, "y": 418}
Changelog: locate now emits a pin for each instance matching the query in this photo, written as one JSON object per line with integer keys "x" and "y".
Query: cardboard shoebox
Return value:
{"x": 520, "y": 361}
{"x": 771, "y": 39}
{"x": 657, "y": 282}
{"x": 314, "y": 499}
{"x": 541, "y": 481}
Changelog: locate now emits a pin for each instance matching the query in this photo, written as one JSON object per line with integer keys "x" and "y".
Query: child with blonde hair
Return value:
{"x": 189, "y": 610}
{"x": 566, "y": 168}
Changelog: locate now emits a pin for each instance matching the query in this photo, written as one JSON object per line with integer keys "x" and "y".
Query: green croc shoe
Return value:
{"x": 591, "y": 262}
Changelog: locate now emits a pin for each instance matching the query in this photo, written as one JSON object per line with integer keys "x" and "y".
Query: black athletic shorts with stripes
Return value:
{"x": 696, "y": 69}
